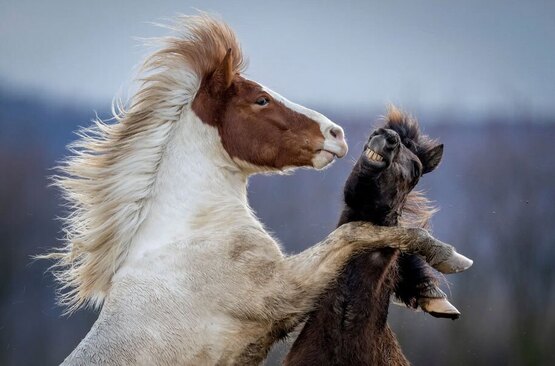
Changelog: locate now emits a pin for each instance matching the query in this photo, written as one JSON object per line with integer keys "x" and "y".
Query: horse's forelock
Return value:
{"x": 204, "y": 44}
{"x": 408, "y": 128}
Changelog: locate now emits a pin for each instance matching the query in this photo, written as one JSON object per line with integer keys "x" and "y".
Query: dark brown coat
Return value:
{"x": 350, "y": 326}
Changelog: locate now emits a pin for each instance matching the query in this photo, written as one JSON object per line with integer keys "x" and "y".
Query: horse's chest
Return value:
{"x": 208, "y": 286}
{"x": 365, "y": 287}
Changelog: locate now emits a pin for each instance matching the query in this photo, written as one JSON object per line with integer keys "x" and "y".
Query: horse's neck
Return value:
{"x": 198, "y": 189}
{"x": 198, "y": 192}
{"x": 363, "y": 292}
{"x": 353, "y": 313}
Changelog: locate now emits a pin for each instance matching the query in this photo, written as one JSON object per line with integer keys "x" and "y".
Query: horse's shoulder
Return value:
{"x": 253, "y": 241}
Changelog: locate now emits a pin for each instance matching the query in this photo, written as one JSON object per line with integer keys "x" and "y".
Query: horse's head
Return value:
{"x": 262, "y": 130}
{"x": 396, "y": 156}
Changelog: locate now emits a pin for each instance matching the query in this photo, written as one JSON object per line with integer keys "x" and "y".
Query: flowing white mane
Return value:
{"x": 110, "y": 178}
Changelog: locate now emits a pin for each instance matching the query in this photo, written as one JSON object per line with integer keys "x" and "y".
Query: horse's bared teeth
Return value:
{"x": 372, "y": 155}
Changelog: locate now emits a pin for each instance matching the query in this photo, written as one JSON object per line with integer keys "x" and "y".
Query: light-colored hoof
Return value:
{"x": 456, "y": 263}
{"x": 439, "y": 308}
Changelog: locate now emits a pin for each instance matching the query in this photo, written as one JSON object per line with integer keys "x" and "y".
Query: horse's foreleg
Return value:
{"x": 307, "y": 274}
{"x": 418, "y": 286}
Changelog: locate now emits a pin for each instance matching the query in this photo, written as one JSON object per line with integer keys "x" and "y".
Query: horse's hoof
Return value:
{"x": 456, "y": 263}
{"x": 439, "y": 308}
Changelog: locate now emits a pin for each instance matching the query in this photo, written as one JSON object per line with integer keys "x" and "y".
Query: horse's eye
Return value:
{"x": 416, "y": 169}
{"x": 262, "y": 101}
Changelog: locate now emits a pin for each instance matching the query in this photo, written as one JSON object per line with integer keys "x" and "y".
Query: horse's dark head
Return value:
{"x": 396, "y": 155}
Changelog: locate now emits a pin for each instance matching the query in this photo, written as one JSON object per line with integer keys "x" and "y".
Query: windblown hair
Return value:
{"x": 418, "y": 209}
{"x": 110, "y": 178}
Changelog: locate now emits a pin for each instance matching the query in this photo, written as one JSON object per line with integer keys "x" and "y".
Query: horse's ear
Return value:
{"x": 431, "y": 158}
{"x": 223, "y": 76}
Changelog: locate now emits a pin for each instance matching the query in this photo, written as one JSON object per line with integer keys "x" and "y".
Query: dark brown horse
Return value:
{"x": 350, "y": 327}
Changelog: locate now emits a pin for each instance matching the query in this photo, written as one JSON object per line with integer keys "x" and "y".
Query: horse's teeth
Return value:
{"x": 372, "y": 155}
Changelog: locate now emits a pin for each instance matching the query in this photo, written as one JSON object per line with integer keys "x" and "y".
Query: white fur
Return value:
{"x": 197, "y": 177}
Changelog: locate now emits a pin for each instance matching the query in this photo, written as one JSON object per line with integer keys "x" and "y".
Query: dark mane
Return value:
{"x": 418, "y": 209}
{"x": 408, "y": 129}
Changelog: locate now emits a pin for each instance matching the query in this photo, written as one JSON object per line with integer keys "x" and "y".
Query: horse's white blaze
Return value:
{"x": 332, "y": 145}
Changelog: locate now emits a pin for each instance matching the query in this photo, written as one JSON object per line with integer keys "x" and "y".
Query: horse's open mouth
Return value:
{"x": 372, "y": 155}
{"x": 323, "y": 158}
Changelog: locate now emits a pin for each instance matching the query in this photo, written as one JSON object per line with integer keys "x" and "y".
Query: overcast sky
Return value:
{"x": 435, "y": 55}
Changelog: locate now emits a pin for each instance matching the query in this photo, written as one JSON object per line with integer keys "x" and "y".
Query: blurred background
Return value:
{"x": 480, "y": 76}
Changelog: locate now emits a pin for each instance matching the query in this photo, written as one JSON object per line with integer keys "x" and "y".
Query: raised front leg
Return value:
{"x": 418, "y": 286}
{"x": 307, "y": 274}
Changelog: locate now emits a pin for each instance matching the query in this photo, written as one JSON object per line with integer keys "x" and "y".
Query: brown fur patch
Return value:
{"x": 271, "y": 136}
{"x": 239, "y": 248}
{"x": 207, "y": 42}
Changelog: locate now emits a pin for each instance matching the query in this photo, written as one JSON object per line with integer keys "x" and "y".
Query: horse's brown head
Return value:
{"x": 261, "y": 129}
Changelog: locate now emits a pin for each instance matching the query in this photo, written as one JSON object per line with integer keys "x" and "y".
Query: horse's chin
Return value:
{"x": 323, "y": 159}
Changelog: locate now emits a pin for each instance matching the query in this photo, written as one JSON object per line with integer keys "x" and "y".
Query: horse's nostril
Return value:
{"x": 336, "y": 133}
{"x": 392, "y": 139}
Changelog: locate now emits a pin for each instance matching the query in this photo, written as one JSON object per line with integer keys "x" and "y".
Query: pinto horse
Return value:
{"x": 160, "y": 232}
